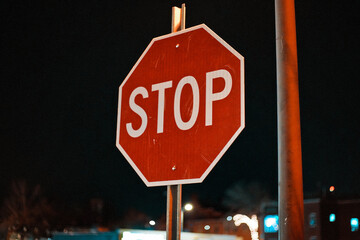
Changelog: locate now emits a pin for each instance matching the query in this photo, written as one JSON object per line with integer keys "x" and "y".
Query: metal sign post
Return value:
{"x": 173, "y": 210}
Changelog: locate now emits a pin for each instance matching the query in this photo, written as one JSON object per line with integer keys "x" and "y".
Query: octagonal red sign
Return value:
{"x": 181, "y": 107}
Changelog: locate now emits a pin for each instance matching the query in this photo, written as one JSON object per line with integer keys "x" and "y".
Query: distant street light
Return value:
{"x": 188, "y": 207}
{"x": 152, "y": 223}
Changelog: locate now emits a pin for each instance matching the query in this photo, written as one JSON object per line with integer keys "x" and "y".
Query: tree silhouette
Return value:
{"x": 134, "y": 218}
{"x": 26, "y": 211}
{"x": 245, "y": 198}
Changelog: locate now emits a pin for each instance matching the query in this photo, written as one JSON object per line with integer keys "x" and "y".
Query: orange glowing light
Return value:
{"x": 332, "y": 188}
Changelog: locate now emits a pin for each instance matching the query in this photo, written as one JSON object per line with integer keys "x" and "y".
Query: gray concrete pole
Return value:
{"x": 291, "y": 203}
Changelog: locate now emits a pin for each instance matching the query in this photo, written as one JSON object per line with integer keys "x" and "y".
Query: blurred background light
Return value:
{"x": 188, "y": 207}
{"x": 271, "y": 223}
{"x": 332, "y": 217}
{"x": 354, "y": 222}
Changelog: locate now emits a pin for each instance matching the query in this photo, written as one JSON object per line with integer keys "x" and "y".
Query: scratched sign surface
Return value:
{"x": 181, "y": 106}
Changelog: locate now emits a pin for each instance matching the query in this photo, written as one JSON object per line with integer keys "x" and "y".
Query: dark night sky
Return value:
{"x": 62, "y": 63}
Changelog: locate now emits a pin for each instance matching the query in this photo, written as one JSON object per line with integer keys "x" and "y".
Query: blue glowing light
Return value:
{"x": 271, "y": 223}
{"x": 354, "y": 222}
{"x": 332, "y": 217}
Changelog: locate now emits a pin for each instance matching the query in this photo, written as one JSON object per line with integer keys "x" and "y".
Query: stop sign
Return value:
{"x": 181, "y": 106}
